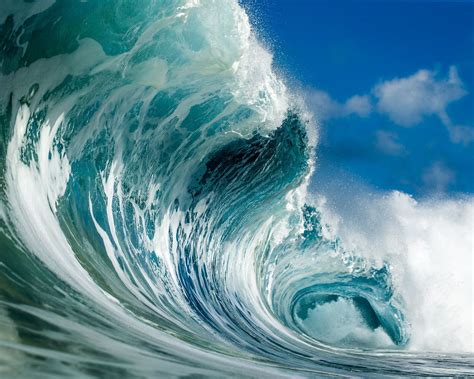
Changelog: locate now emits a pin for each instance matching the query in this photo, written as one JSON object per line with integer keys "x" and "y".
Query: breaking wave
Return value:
{"x": 155, "y": 215}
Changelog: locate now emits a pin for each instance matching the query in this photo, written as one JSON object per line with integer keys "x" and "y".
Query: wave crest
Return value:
{"x": 154, "y": 192}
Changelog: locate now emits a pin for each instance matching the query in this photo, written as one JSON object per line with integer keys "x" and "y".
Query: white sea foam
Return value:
{"x": 429, "y": 246}
{"x": 205, "y": 278}
{"x": 340, "y": 323}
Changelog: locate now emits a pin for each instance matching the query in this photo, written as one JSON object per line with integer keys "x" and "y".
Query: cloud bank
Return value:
{"x": 327, "y": 108}
{"x": 405, "y": 101}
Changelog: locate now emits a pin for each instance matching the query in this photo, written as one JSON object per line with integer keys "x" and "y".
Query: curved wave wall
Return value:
{"x": 154, "y": 209}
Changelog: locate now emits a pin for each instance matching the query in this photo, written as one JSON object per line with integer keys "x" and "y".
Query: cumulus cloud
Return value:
{"x": 406, "y": 101}
{"x": 359, "y": 105}
{"x": 457, "y": 133}
{"x": 387, "y": 142}
{"x": 327, "y": 108}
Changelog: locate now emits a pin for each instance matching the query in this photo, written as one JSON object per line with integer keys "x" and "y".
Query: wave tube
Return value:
{"x": 154, "y": 207}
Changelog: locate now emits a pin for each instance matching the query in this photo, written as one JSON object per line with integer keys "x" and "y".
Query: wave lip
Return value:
{"x": 153, "y": 215}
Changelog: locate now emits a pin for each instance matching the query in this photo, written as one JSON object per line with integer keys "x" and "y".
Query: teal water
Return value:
{"x": 154, "y": 218}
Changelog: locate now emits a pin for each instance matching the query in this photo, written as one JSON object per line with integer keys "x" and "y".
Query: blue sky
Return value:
{"x": 391, "y": 83}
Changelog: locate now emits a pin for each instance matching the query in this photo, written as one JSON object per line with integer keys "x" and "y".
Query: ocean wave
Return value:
{"x": 155, "y": 214}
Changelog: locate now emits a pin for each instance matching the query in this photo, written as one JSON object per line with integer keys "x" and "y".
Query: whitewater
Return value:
{"x": 159, "y": 215}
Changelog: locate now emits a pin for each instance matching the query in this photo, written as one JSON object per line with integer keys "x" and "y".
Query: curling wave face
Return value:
{"x": 153, "y": 215}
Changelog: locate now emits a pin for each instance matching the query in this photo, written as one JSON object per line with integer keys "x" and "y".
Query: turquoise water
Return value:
{"x": 154, "y": 218}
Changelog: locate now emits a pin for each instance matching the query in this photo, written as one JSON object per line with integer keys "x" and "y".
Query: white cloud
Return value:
{"x": 408, "y": 100}
{"x": 457, "y": 133}
{"x": 322, "y": 104}
{"x": 461, "y": 134}
{"x": 387, "y": 142}
{"x": 326, "y": 108}
{"x": 359, "y": 105}
{"x": 438, "y": 177}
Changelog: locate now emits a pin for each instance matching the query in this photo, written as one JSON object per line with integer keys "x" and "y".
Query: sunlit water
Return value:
{"x": 154, "y": 211}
